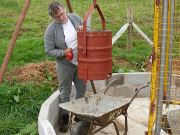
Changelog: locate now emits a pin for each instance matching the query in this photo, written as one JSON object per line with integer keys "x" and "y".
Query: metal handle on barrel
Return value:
{"x": 91, "y": 9}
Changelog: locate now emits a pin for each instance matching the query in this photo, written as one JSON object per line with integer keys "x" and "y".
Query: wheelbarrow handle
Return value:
{"x": 137, "y": 91}
{"x": 113, "y": 82}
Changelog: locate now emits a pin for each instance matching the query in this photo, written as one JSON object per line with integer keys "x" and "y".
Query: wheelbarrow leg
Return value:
{"x": 70, "y": 123}
{"x": 117, "y": 131}
{"x": 90, "y": 129}
{"x": 126, "y": 124}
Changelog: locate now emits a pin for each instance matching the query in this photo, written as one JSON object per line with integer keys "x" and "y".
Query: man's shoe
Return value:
{"x": 80, "y": 128}
{"x": 64, "y": 124}
{"x": 63, "y": 128}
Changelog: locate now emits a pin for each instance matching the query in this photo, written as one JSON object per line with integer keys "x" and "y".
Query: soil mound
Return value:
{"x": 36, "y": 72}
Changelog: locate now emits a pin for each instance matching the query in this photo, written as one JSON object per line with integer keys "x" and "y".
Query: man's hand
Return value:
{"x": 69, "y": 54}
{"x": 80, "y": 28}
{"x": 67, "y": 51}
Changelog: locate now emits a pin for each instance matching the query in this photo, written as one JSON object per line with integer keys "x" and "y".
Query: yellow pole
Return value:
{"x": 152, "y": 108}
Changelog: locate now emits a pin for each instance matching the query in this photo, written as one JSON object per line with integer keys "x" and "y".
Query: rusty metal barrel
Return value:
{"x": 94, "y": 50}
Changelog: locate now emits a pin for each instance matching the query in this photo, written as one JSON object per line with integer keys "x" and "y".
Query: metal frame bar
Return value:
{"x": 170, "y": 50}
{"x": 162, "y": 69}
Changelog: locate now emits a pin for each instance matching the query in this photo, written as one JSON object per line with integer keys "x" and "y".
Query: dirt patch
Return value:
{"x": 36, "y": 72}
{"x": 176, "y": 66}
{"x": 122, "y": 62}
{"x": 46, "y": 70}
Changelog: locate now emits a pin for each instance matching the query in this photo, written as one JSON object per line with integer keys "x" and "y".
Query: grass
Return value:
{"x": 31, "y": 35}
{"x": 20, "y": 103}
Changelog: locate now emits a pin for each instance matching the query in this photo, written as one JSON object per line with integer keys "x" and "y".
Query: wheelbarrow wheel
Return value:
{"x": 80, "y": 128}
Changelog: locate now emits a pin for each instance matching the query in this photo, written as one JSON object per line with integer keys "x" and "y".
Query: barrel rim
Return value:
{"x": 96, "y": 31}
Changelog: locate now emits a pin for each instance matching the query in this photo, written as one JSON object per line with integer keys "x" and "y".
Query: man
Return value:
{"x": 61, "y": 40}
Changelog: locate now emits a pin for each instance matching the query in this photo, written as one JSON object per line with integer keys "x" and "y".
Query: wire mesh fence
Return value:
{"x": 165, "y": 91}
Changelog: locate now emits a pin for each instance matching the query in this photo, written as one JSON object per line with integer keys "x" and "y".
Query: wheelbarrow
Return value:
{"x": 100, "y": 110}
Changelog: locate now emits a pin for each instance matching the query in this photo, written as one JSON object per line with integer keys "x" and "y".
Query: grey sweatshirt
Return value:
{"x": 54, "y": 39}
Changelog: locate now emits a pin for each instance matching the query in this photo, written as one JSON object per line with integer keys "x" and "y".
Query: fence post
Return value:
{"x": 130, "y": 29}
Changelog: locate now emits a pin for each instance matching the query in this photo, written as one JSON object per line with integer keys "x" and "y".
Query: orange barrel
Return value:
{"x": 94, "y": 51}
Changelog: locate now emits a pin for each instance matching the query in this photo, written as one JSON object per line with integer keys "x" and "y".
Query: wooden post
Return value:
{"x": 69, "y": 6}
{"x": 130, "y": 29}
{"x": 13, "y": 39}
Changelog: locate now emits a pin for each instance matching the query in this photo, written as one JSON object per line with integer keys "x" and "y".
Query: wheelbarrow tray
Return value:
{"x": 99, "y": 108}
